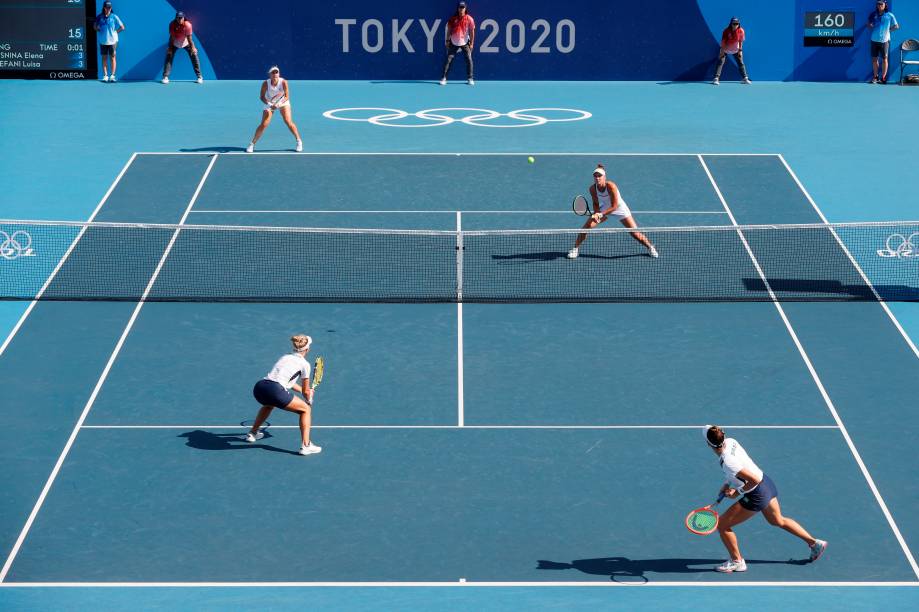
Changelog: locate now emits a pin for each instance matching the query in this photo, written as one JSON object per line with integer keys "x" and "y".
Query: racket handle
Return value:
{"x": 720, "y": 497}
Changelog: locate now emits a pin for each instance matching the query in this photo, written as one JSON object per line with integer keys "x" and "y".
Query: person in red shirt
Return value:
{"x": 180, "y": 32}
{"x": 732, "y": 44}
{"x": 460, "y": 35}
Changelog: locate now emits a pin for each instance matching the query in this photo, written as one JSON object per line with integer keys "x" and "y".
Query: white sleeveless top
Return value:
{"x": 273, "y": 90}
{"x": 288, "y": 369}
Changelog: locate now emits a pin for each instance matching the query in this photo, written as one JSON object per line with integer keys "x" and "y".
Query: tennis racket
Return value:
{"x": 317, "y": 373}
{"x": 704, "y": 520}
{"x": 248, "y": 423}
{"x": 277, "y": 101}
{"x": 581, "y": 206}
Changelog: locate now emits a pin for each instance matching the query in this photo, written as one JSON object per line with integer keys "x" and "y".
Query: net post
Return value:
{"x": 459, "y": 256}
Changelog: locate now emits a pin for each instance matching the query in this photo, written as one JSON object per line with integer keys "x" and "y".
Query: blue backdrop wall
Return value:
{"x": 516, "y": 39}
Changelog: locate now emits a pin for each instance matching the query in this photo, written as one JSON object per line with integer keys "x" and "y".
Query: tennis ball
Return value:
{"x": 531, "y": 159}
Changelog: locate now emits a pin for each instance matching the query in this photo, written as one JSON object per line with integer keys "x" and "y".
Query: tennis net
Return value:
{"x": 148, "y": 262}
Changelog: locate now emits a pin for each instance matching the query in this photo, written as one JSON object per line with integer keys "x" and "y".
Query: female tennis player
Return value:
{"x": 275, "y": 95}
{"x": 757, "y": 493}
{"x": 608, "y": 202}
{"x": 273, "y": 391}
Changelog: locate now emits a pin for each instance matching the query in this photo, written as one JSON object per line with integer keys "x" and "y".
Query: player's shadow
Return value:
{"x": 623, "y": 567}
{"x": 214, "y": 149}
{"x": 205, "y": 440}
{"x": 553, "y": 255}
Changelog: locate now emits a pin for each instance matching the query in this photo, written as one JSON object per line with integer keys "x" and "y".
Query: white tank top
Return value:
{"x": 288, "y": 369}
{"x": 274, "y": 90}
{"x": 605, "y": 198}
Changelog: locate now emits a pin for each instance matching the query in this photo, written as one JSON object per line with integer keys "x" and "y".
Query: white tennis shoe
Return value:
{"x": 470, "y": 81}
{"x": 112, "y": 78}
{"x": 573, "y": 253}
{"x": 312, "y": 449}
{"x": 443, "y": 81}
{"x": 299, "y": 146}
{"x": 252, "y": 437}
{"x": 731, "y": 566}
{"x": 817, "y": 549}
{"x": 165, "y": 81}
{"x": 250, "y": 148}
{"x": 105, "y": 78}
{"x": 199, "y": 80}
{"x": 653, "y": 252}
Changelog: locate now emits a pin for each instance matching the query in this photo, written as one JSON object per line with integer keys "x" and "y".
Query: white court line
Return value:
{"x": 463, "y": 426}
{"x": 845, "y": 249}
{"x": 460, "y": 407}
{"x": 600, "y": 583}
{"x": 818, "y": 382}
{"x": 60, "y": 264}
{"x": 450, "y": 212}
{"x": 456, "y": 154}
{"x": 99, "y": 383}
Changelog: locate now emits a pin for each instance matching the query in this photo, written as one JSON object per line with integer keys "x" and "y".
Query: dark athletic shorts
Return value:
{"x": 757, "y": 499}
{"x": 107, "y": 50}
{"x": 880, "y": 49}
{"x": 270, "y": 393}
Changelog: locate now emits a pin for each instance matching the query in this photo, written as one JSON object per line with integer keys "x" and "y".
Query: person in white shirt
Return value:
{"x": 608, "y": 202}
{"x": 273, "y": 391}
{"x": 757, "y": 493}
{"x": 275, "y": 95}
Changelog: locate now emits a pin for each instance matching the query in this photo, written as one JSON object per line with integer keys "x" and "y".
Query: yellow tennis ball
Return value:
{"x": 531, "y": 159}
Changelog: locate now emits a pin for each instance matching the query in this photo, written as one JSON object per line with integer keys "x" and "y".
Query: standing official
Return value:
{"x": 460, "y": 36}
{"x": 108, "y": 25}
{"x": 180, "y": 37}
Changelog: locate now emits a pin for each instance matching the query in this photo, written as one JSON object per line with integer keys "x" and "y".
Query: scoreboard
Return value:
{"x": 829, "y": 29}
{"x": 47, "y": 39}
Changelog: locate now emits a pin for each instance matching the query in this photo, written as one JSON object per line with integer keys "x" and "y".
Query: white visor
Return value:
{"x": 600, "y": 171}
{"x": 274, "y": 69}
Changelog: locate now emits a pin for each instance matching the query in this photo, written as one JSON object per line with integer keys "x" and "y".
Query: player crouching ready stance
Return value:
{"x": 273, "y": 391}
{"x": 757, "y": 493}
{"x": 608, "y": 202}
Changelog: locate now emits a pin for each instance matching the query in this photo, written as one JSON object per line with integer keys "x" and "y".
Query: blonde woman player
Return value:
{"x": 756, "y": 493}
{"x": 607, "y": 202}
{"x": 275, "y": 95}
{"x": 273, "y": 391}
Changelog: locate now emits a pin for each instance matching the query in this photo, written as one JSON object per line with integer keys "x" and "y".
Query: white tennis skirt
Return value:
{"x": 622, "y": 211}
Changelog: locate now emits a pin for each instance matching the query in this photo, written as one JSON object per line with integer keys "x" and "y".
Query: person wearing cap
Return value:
{"x": 881, "y": 22}
{"x": 732, "y": 44}
{"x": 755, "y": 493}
{"x": 180, "y": 37}
{"x": 108, "y": 25}
{"x": 608, "y": 202}
{"x": 459, "y": 36}
{"x": 275, "y": 95}
{"x": 274, "y": 391}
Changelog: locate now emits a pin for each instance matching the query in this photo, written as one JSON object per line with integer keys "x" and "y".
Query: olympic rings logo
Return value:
{"x": 436, "y": 117}
{"x": 19, "y": 244}
{"x": 898, "y": 245}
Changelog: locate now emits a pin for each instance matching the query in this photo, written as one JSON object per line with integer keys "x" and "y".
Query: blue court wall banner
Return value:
{"x": 670, "y": 40}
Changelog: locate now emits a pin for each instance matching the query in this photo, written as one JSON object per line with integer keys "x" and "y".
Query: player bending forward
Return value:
{"x": 607, "y": 202}
{"x": 757, "y": 493}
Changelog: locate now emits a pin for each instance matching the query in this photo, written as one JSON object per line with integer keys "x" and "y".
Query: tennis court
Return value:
{"x": 546, "y": 448}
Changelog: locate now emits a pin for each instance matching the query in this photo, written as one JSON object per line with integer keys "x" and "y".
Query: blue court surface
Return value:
{"x": 475, "y": 456}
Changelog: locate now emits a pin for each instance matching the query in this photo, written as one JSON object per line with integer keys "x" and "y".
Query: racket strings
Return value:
{"x": 703, "y": 520}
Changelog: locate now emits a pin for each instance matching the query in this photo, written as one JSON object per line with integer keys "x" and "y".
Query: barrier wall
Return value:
{"x": 516, "y": 39}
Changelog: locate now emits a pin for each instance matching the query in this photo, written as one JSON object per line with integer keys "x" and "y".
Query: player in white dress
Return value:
{"x": 607, "y": 202}
{"x": 275, "y": 95}
{"x": 273, "y": 391}
{"x": 757, "y": 493}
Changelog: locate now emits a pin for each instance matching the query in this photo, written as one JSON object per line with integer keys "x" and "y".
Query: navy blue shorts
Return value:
{"x": 757, "y": 499}
{"x": 270, "y": 393}
{"x": 107, "y": 50}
